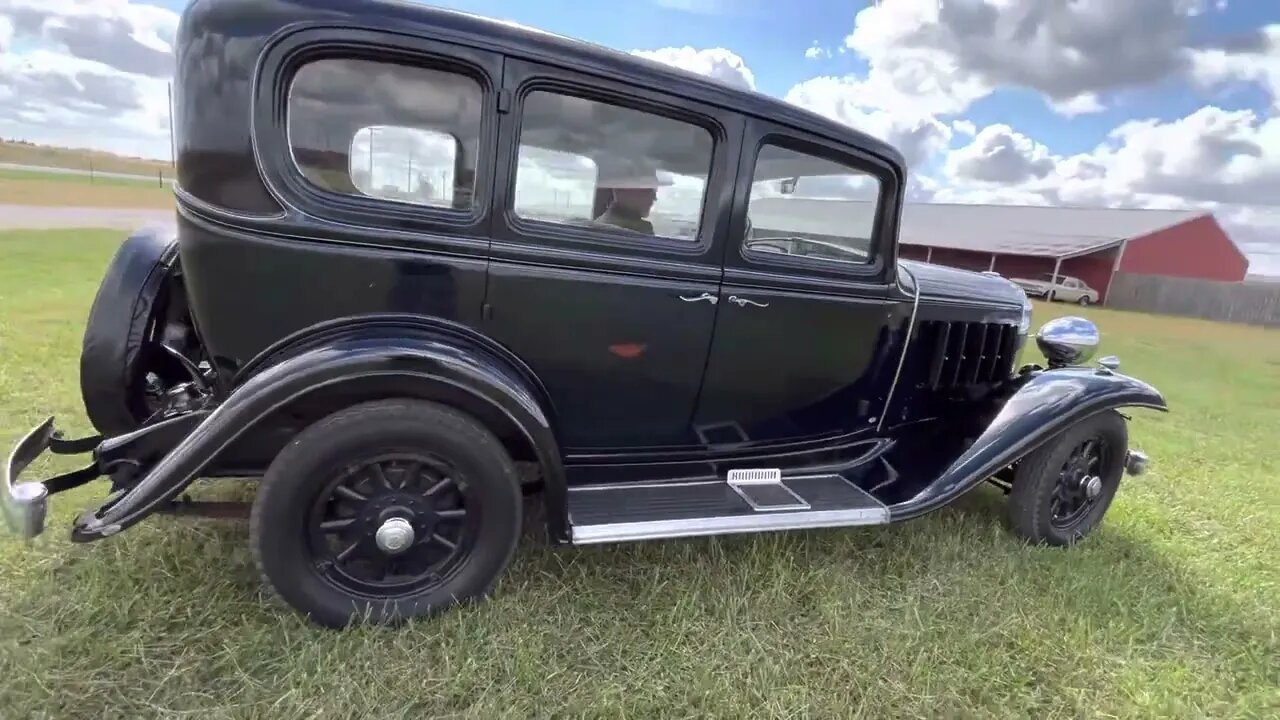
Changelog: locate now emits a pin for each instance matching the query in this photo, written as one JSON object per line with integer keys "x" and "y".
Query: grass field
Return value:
{"x": 1171, "y": 610}
{"x": 21, "y": 153}
{"x": 20, "y": 187}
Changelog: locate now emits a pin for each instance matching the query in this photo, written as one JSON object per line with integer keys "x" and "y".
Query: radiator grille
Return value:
{"x": 966, "y": 353}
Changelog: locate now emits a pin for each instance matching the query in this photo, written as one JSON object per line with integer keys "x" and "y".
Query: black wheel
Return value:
{"x": 1084, "y": 300}
{"x": 1061, "y": 490}
{"x": 386, "y": 511}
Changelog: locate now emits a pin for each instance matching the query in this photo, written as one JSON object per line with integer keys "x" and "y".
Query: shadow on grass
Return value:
{"x": 173, "y": 610}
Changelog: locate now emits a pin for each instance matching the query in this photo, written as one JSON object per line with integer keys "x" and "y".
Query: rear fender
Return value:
{"x": 414, "y": 358}
{"x": 1047, "y": 403}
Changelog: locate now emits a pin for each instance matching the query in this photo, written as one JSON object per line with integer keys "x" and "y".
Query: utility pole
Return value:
{"x": 173, "y": 154}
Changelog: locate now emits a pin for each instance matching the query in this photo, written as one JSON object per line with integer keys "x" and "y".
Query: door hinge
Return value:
{"x": 504, "y": 101}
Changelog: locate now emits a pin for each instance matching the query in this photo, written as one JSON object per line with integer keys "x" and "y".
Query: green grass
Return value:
{"x": 22, "y": 187}
{"x": 76, "y": 179}
{"x": 1172, "y": 609}
{"x": 25, "y": 153}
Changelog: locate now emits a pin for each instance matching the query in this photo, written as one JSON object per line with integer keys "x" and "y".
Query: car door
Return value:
{"x": 1070, "y": 290}
{"x": 803, "y": 340}
{"x": 610, "y": 302}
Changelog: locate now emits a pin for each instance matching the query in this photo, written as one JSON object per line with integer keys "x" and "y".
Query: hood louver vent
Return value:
{"x": 962, "y": 354}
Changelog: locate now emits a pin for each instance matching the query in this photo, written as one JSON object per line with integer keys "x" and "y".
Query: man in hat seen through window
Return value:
{"x": 633, "y": 195}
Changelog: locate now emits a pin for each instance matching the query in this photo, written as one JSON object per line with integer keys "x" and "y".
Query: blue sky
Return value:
{"x": 1145, "y": 103}
{"x": 773, "y": 45}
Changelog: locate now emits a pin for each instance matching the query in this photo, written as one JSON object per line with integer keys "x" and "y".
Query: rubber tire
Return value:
{"x": 1084, "y": 301}
{"x": 1036, "y": 476}
{"x": 131, "y": 299}
{"x": 277, "y": 521}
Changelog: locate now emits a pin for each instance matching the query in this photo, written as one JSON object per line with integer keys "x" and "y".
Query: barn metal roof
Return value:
{"x": 1056, "y": 232}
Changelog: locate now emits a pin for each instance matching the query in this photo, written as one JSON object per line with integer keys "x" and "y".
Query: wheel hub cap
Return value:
{"x": 1092, "y": 486}
{"x": 394, "y": 536}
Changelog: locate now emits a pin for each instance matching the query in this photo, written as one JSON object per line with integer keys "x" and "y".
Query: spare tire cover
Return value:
{"x": 122, "y": 318}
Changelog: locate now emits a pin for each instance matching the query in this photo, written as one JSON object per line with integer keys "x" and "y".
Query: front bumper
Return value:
{"x": 25, "y": 504}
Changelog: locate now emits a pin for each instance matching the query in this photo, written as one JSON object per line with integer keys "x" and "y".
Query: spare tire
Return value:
{"x": 124, "y": 317}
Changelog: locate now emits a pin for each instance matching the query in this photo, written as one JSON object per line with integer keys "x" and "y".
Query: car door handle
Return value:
{"x": 704, "y": 296}
{"x": 743, "y": 302}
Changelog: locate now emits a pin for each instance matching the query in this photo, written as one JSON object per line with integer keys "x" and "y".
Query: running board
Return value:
{"x": 756, "y": 501}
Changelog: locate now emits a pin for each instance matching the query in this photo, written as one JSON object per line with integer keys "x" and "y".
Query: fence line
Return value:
{"x": 1255, "y": 303}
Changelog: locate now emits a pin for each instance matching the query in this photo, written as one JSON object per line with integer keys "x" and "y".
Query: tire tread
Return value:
{"x": 368, "y": 416}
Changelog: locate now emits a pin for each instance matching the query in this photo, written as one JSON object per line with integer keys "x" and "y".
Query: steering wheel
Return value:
{"x": 792, "y": 245}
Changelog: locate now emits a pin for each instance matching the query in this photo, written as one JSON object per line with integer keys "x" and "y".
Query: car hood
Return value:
{"x": 949, "y": 284}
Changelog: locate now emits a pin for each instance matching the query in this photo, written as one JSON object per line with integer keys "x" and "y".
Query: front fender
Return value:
{"x": 415, "y": 362}
{"x": 1047, "y": 403}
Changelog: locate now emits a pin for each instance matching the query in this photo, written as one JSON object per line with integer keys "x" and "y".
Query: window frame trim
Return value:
{"x": 538, "y": 76}
{"x": 277, "y": 69}
{"x": 763, "y": 133}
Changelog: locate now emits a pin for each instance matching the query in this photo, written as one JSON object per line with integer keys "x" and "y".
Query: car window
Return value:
{"x": 809, "y": 206}
{"x": 406, "y": 164}
{"x": 590, "y": 163}
{"x": 555, "y": 186}
{"x": 394, "y": 132}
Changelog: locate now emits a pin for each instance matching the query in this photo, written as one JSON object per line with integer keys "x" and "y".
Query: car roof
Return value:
{"x": 531, "y": 43}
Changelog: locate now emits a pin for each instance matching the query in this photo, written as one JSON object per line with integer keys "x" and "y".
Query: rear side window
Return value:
{"x": 808, "y": 206}
{"x": 596, "y": 164}
{"x": 393, "y": 132}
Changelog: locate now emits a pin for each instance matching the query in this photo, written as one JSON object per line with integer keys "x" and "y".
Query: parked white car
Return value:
{"x": 1067, "y": 289}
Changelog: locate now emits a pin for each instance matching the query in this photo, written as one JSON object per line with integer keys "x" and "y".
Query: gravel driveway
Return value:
{"x": 34, "y": 217}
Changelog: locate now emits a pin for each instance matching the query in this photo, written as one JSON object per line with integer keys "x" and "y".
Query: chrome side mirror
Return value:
{"x": 1068, "y": 341}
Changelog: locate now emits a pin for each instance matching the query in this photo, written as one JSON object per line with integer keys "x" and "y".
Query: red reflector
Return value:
{"x": 628, "y": 350}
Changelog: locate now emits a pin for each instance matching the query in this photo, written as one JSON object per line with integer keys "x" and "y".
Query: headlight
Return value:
{"x": 1024, "y": 325}
{"x": 1068, "y": 341}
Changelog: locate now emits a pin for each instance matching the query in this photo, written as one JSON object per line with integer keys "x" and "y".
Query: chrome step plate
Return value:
{"x": 763, "y": 490}
{"x": 651, "y": 511}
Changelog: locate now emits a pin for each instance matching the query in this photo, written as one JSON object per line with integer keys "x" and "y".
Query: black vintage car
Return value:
{"x": 425, "y": 264}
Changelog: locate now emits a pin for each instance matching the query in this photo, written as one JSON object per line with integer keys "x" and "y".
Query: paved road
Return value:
{"x": 32, "y": 217}
{"x": 96, "y": 173}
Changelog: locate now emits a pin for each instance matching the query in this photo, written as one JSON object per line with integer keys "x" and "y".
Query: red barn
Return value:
{"x": 1092, "y": 244}
{"x": 1088, "y": 243}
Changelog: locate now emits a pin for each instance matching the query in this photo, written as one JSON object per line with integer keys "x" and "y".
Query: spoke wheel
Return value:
{"x": 392, "y": 526}
{"x": 1079, "y": 484}
{"x": 1062, "y": 489}
{"x": 385, "y": 511}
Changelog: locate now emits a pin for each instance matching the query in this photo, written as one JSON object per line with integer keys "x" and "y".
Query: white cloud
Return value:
{"x": 1258, "y": 63}
{"x": 125, "y": 35}
{"x": 87, "y": 74}
{"x": 6, "y": 33}
{"x": 57, "y": 99}
{"x": 1256, "y": 230}
{"x": 816, "y": 51}
{"x": 1082, "y": 104}
{"x": 944, "y": 56}
{"x": 1207, "y": 158}
{"x": 998, "y": 154}
{"x": 716, "y": 63}
{"x": 1223, "y": 161}
{"x": 917, "y": 135}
